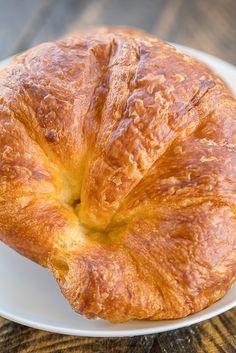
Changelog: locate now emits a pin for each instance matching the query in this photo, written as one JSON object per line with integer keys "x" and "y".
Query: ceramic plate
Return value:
{"x": 29, "y": 295}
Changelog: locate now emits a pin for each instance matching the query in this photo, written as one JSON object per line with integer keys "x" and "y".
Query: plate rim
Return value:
{"x": 188, "y": 321}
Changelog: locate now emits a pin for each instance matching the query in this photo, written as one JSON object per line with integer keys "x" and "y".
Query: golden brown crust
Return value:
{"x": 117, "y": 172}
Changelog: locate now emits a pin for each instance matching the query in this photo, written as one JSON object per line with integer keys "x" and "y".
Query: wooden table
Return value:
{"x": 207, "y": 25}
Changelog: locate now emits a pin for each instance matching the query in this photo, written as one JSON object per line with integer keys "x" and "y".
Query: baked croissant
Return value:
{"x": 118, "y": 173}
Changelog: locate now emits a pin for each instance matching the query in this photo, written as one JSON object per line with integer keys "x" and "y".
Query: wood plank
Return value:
{"x": 58, "y": 20}
{"x": 73, "y": 15}
{"x": 217, "y": 335}
{"x": 205, "y": 25}
{"x": 17, "y": 18}
{"x": 135, "y": 13}
{"x": 197, "y": 24}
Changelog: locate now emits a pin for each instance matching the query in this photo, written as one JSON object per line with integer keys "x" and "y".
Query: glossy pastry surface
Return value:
{"x": 118, "y": 173}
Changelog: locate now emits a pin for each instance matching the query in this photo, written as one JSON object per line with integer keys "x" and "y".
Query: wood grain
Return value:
{"x": 16, "y": 19}
{"x": 217, "y": 335}
{"x": 206, "y": 25}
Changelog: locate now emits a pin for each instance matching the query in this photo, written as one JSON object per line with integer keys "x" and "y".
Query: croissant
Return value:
{"x": 118, "y": 173}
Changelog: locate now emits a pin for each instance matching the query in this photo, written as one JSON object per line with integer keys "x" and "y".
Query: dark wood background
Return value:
{"x": 208, "y": 25}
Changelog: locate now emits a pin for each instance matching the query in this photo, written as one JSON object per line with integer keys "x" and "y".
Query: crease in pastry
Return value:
{"x": 114, "y": 105}
{"x": 189, "y": 130}
{"x": 110, "y": 162}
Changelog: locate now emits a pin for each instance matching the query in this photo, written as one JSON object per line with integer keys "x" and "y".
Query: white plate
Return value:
{"x": 29, "y": 294}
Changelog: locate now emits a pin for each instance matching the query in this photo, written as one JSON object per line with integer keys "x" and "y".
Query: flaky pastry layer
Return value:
{"x": 118, "y": 173}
